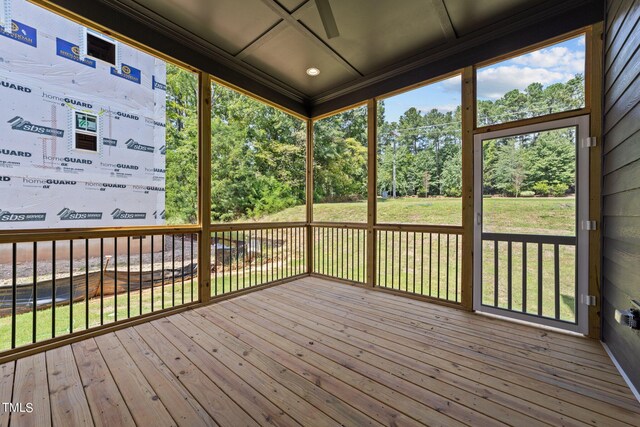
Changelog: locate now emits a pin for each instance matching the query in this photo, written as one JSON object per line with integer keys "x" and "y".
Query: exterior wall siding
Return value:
{"x": 621, "y": 180}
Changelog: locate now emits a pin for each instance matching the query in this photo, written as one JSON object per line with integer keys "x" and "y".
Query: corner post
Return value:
{"x": 204, "y": 187}
{"x": 468, "y": 126}
{"x": 309, "y": 196}
{"x": 594, "y": 100}
{"x": 372, "y": 193}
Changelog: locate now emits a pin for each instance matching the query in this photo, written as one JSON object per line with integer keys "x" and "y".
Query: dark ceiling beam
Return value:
{"x": 262, "y": 39}
{"x": 445, "y": 20}
{"x": 291, "y": 20}
{"x": 469, "y": 50}
{"x": 271, "y": 32}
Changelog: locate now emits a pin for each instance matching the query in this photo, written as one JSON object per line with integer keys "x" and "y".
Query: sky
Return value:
{"x": 553, "y": 64}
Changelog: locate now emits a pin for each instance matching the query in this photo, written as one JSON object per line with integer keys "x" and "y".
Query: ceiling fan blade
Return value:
{"x": 328, "y": 21}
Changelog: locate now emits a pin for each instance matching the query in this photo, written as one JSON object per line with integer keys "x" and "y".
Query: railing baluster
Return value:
{"x": 393, "y": 258}
{"x": 447, "y": 275}
{"x": 173, "y": 270}
{"x": 495, "y": 273}
{"x": 556, "y": 258}
{"x": 290, "y": 266}
{"x": 34, "y": 292}
{"x": 153, "y": 300}
{"x": 379, "y": 239}
{"x": 181, "y": 271}
{"x": 71, "y": 286}
{"x": 342, "y": 253}
{"x": 358, "y": 251}
{"x": 101, "y": 281}
{"x": 191, "y": 259}
{"x": 14, "y": 291}
{"x": 399, "y": 260}
{"x": 430, "y": 264}
{"x": 414, "y": 263}
{"x": 438, "y": 265}
{"x": 325, "y": 250}
{"x": 237, "y": 261}
{"x": 53, "y": 289}
{"x": 457, "y": 253}
{"x": 539, "y": 279}
{"x": 128, "y": 277}
{"x": 163, "y": 270}
{"x": 353, "y": 243}
{"x": 140, "y": 284}
{"x": 406, "y": 263}
{"x": 86, "y": 283}
{"x": 386, "y": 256}
{"x": 524, "y": 277}
{"x": 244, "y": 258}
{"x": 422, "y": 263}
{"x": 509, "y": 274}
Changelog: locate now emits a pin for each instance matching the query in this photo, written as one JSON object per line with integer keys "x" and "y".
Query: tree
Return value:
{"x": 510, "y": 167}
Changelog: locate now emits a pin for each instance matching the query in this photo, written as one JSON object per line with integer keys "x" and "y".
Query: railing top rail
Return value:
{"x": 442, "y": 229}
{"x": 40, "y": 235}
{"x": 255, "y": 226}
{"x": 328, "y": 224}
{"x": 530, "y": 238}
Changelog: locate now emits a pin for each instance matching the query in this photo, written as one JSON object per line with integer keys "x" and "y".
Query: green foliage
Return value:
{"x": 181, "y": 178}
{"x": 258, "y": 152}
{"x": 452, "y": 176}
{"x": 559, "y": 190}
{"x": 340, "y": 157}
{"x": 425, "y": 148}
{"x": 541, "y": 188}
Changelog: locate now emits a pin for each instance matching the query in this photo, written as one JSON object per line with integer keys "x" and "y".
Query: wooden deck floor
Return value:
{"x": 318, "y": 353}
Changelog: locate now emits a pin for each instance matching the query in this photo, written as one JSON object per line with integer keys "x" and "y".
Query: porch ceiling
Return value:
{"x": 265, "y": 46}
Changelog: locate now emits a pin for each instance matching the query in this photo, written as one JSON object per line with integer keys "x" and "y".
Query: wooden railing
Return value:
{"x": 529, "y": 273}
{"x": 420, "y": 260}
{"x": 340, "y": 251}
{"x": 245, "y": 256}
{"x": 61, "y": 283}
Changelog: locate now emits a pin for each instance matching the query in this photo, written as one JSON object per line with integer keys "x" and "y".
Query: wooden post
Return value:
{"x": 204, "y": 187}
{"x": 594, "y": 99}
{"x": 468, "y": 125}
{"x": 310, "y": 240}
{"x": 372, "y": 193}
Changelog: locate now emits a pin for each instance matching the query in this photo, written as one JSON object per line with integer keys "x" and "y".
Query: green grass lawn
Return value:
{"x": 406, "y": 261}
{"x": 506, "y": 215}
{"x": 416, "y": 266}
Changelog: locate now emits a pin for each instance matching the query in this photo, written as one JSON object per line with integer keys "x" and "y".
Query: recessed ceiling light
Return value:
{"x": 313, "y": 71}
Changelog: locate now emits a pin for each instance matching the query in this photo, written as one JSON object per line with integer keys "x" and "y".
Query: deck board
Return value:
{"x": 320, "y": 353}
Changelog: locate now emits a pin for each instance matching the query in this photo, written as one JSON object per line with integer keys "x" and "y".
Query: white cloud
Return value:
{"x": 495, "y": 82}
{"x": 557, "y": 58}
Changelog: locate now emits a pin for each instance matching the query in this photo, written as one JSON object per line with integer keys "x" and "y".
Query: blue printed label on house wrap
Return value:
{"x": 71, "y": 51}
{"x": 22, "y": 33}
{"x": 128, "y": 73}
{"x": 157, "y": 85}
